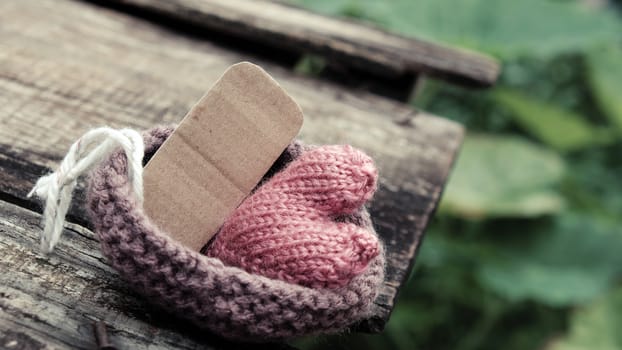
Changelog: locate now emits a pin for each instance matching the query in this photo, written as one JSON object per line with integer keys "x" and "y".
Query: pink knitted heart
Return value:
{"x": 289, "y": 228}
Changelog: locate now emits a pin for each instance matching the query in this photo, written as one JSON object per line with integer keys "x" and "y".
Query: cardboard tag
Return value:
{"x": 218, "y": 154}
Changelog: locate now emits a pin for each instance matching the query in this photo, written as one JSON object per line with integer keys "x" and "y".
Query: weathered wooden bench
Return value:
{"x": 68, "y": 66}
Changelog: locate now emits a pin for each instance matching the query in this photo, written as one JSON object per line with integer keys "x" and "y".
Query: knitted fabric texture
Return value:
{"x": 228, "y": 300}
{"x": 287, "y": 229}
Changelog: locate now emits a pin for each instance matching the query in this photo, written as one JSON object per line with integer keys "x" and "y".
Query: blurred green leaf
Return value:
{"x": 596, "y": 327}
{"x": 400, "y": 328}
{"x": 551, "y": 124}
{"x": 511, "y": 279}
{"x": 494, "y": 177}
{"x": 572, "y": 261}
{"x": 507, "y": 28}
{"x": 593, "y": 186}
{"x": 605, "y": 73}
{"x": 310, "y": 65}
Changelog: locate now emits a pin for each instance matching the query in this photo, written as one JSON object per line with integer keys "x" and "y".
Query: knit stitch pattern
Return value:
{"x": 287, "y": 229}
{"x": 259, "y": 305}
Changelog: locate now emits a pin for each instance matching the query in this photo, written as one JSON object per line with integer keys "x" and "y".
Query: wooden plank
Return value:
{"x": 352, "y": 44}
{"x": 50, "y": 302}
{"x": 77, "y": 66}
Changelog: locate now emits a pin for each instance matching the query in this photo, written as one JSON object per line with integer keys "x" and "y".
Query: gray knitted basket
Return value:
{"x": 223, "y": 299}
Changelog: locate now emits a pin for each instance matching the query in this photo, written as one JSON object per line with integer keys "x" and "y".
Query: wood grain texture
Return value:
{"x": 76, "y": 66}
{"x": 49, "y": 302}
{"x": 352, "y": 44}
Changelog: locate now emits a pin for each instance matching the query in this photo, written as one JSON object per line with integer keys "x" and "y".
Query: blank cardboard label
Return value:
{"x": 218, "y": 154}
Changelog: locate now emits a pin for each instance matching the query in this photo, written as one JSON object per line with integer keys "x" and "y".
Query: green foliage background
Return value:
{"x": 526, "y": 250}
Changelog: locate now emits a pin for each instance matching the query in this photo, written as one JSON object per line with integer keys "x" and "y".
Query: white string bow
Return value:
{"x": 90, "y": 149}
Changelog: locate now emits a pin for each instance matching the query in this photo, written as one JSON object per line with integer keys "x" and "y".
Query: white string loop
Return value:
{"x": 90, "y": 149}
